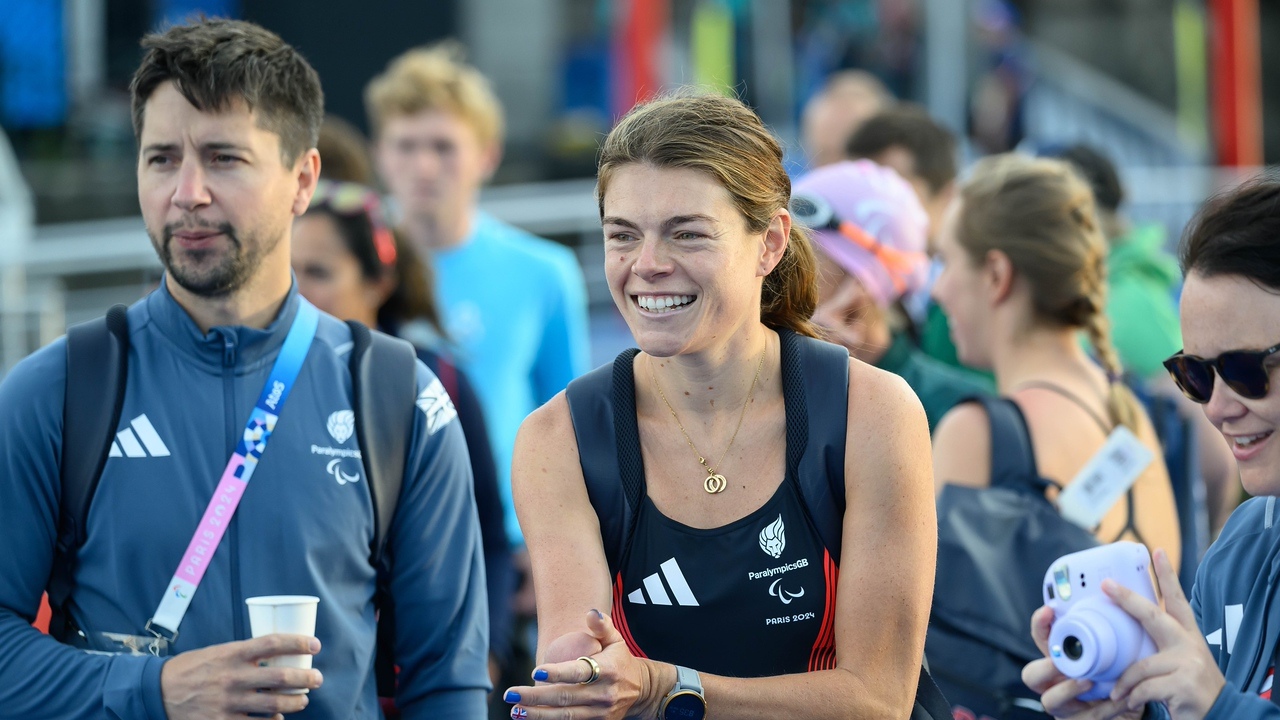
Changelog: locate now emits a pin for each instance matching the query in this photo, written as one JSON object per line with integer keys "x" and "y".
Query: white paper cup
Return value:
{"x": 291, "y": 614}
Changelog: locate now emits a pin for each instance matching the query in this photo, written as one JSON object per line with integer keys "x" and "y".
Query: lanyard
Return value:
{"x": 236, "y": 476}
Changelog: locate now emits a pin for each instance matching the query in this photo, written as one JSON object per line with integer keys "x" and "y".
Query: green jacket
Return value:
{"x": 939, "y": 386}
{"x": 1143, "y": 279}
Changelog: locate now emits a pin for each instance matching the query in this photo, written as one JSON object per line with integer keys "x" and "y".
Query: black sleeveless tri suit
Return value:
{"x": 755, "y": 597}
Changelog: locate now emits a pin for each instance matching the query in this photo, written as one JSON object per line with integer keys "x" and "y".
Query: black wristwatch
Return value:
{"x": 685, "y": 701}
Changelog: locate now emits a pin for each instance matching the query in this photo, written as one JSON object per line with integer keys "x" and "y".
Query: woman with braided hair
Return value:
{"x": 1024, "y": 275}
{"x": 1023, "y": 278}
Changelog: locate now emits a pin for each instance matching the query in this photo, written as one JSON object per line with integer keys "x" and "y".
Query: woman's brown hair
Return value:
{"x": 344, "y": 157}
{"x": 1040, "y": 214}
{"x": 414, "y": 296}
{"x": 725, "y": 139}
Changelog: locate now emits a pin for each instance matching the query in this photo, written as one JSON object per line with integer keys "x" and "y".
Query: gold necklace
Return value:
{"x": 715, "y": 482}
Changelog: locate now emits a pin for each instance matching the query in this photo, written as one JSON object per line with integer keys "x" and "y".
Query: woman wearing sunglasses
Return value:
{"x": 349, "y": 264}
{"x": 1216, "y": 655}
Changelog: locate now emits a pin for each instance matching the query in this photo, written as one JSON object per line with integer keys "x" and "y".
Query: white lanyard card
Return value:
{"x": 1108, "y": 475}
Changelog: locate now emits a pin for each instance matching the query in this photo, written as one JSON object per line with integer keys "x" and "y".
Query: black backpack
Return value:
{"x": 602, "y": 404}
{"x": 383, "y": 379}
{"x": 994, "y": 545}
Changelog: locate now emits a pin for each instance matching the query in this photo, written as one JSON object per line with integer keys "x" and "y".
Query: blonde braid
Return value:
{"x": 1090, "y": 312}
{"x": 1122, "y": 406}
{"x": 1042, "y": 215}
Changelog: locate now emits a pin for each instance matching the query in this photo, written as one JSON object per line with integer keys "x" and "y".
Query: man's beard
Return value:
{"x": 215, "y": 271}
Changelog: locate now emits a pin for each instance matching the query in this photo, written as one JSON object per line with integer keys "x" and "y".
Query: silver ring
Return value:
{"x": 595, "y": 671}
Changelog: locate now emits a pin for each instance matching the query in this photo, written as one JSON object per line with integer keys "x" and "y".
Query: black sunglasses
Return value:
{"x": 1244, "y": 371}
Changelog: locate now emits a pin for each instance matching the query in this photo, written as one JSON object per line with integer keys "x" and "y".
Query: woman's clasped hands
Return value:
{"x": 590, "y": 675}
{"x": 1183, "y": 673}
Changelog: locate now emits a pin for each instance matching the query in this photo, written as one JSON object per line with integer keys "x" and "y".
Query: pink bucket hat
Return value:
{"x": 868, "y": 220}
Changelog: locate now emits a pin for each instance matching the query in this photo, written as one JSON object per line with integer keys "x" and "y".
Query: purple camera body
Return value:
{"x": 1092, "y": 638}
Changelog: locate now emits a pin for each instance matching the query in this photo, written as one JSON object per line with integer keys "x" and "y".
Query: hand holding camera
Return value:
{"x": 1092, "y": 638}
{"x": 1181, "y": 672}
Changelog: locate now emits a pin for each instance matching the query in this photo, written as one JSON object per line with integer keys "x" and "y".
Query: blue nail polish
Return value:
{"x": 512, "y": 697}
{"x": 540, "y": 675}
{"x": 599, "y": 615}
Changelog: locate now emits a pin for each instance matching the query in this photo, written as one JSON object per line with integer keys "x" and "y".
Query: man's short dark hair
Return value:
{"x": 908, "y": 126}
{"x": 1235, "y": 233}
{"x": 213, "y": 62}
{"x": 1097, "y": 170}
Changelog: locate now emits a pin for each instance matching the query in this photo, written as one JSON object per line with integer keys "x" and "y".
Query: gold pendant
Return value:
{"x": 714, "y": 483}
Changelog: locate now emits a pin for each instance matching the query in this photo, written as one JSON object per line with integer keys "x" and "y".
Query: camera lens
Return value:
{"x": 1072, "y": 648}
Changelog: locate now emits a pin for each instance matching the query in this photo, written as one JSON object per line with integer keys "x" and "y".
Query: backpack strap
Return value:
{"x": 1013, "y": 460}
{"x": 817, "y": 426}
{"x": 383, "y": 383}
{"x": 930, "y": 704}
{"x": 602, "y": 405}
{"x": 97, "y": 371}
{"x": 817, "y": 429}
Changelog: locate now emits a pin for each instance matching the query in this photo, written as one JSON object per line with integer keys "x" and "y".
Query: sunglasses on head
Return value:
{"x": 354, "y": 200}
{"x": 817, "y": 214}
{"x": 1244, "y": 371}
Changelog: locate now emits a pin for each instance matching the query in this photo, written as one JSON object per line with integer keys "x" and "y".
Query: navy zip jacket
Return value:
{"x": 304, "y": 525}
{"x": 1237, "y": 608}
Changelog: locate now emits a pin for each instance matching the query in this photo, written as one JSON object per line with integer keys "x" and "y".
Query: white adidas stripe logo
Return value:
{"x": 127, "y": 443}
{"x": 658, "y": 593}
{"x": 1233, "y": 615}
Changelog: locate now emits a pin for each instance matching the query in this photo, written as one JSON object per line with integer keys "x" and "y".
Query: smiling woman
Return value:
{"x": 678, "y": 487}
{"x": 1216, "y": 658}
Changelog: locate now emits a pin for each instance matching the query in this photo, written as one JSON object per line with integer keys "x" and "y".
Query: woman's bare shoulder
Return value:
{"x": 878, "y": 398}
{"x": 886, "y": 423}
{"x": 550, "y": 420}
{"x": 547, "y": 445}
{"x": 962, "y": 447}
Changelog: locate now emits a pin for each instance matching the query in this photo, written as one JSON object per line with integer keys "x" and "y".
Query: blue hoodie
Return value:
{"x": 301, "y": 528}
{"x": 1235, "y": 603}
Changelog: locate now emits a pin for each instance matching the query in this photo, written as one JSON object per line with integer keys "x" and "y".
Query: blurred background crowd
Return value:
{"x": 1173, "y": 91}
